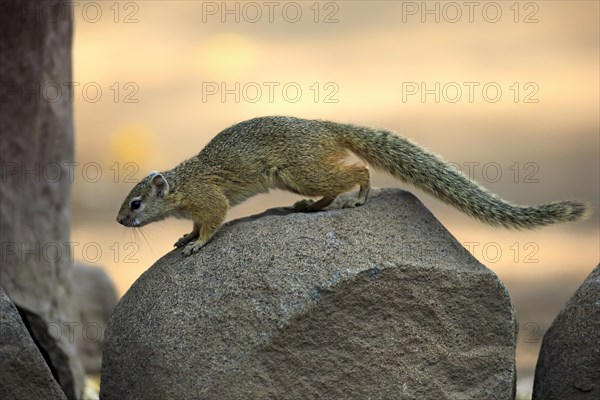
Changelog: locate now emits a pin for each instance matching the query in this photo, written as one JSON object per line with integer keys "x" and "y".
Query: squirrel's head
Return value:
{"x": 146, "y": 202}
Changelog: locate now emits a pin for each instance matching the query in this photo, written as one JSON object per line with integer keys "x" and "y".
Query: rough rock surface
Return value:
{"x": 96, "y": 297}
{"x": 36, "y": 146}
{"x": 25, "y": 374}
{"x": 569, "y": 363}
{"x": 375, "y": 302}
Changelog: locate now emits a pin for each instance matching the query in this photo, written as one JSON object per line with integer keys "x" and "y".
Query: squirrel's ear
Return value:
{"x": 160, "y": 186}
{"x": 152, "y": 173}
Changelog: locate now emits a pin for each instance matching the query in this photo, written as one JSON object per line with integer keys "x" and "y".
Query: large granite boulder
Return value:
{"x": 96, "y": 297}
{"x": 375, "y": 302}
{"x": 569, "y": 363}
{"x": 25, "y": 374}
{"x": 36, "y": 149}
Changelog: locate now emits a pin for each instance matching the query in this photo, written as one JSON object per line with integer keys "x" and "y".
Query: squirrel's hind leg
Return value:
{"x": 361, "y": 199}
{"x": 333, "y": 179}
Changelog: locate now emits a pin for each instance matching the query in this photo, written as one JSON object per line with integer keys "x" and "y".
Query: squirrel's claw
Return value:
{"x": 185, "y": 239}
{"x": 193, "y": 247}
{"x": 353, "y": 203}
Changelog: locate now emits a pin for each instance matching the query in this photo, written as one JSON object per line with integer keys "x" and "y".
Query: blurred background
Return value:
{"x": 506, "y": 91}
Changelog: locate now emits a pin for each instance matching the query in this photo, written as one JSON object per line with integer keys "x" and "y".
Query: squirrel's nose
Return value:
{"x": 120, "y": 219}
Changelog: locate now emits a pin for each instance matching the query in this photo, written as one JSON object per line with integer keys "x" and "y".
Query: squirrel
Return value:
{"x": 307, "y": 157}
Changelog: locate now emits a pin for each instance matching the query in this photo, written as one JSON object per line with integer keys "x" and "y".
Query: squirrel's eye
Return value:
{"x": 136, "y": 204}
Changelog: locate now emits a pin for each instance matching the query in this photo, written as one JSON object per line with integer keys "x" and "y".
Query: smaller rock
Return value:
{"x": 96, "y": 297}
{"x": 569, "y": 363}
{"x": 25, "y": 374}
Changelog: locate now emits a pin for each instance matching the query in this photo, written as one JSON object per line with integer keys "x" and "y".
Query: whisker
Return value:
{"x": 147, "y": 242}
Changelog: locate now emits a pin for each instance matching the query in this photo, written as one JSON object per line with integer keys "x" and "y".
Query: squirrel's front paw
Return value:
{"x": 193, "y": 247}
{"x": 185, "y": 239}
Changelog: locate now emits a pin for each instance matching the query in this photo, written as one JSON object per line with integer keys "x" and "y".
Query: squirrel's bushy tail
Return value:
{"x": 411, "y": 163}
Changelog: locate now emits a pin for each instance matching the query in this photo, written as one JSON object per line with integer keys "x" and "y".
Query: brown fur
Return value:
{"x": 308, "y": 157}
